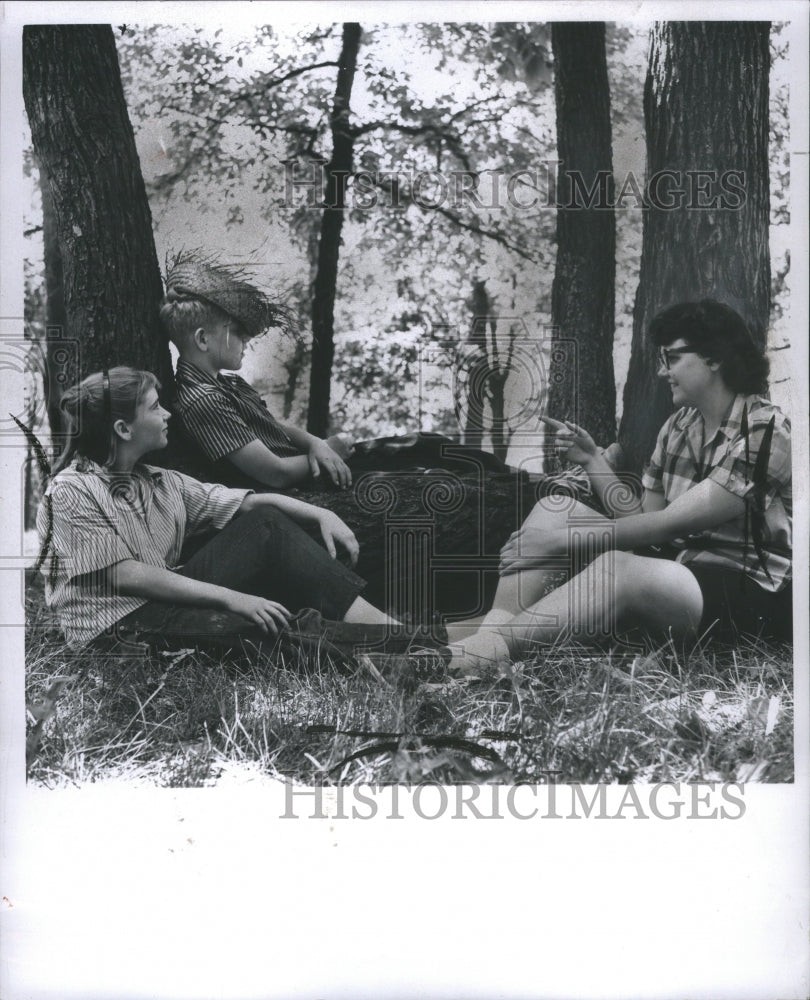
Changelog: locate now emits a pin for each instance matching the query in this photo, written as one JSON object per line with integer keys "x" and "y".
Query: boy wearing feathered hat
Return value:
{"x": 210, "y": 313}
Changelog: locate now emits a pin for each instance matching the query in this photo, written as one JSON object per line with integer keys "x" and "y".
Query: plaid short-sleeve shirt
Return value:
{"x": 94, "y": 519}
{"x": 224, "y": 413}
{"x": 750, "y": 457}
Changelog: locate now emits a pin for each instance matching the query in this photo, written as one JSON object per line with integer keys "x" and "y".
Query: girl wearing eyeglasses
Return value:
{"x": 707, "y": 546}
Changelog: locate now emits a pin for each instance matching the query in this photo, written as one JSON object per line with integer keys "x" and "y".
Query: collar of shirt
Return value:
{"x": 194, "y": 375}
{"x": 690, "y": 422}
{"x": 83, "y": 464}
{"x": 732, "y": 422}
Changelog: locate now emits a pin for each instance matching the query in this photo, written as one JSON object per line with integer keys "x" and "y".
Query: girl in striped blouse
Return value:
{"x": 113, "y": 530}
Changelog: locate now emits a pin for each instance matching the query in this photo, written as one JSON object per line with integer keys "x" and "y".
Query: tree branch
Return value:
{"x": 256, "y": 126}
{"x": 194, "y": 114}
{"x": 398, "y": 127}
{"x": 453, "y": 141}
{"x": 245, "y": 95}
{"x": 475, "y": 104}
{"x": 491, "y": 234}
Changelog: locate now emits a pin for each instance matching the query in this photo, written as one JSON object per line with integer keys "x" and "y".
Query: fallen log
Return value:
{"x": 430, "y": 515}
{"x": 430, "y": 540}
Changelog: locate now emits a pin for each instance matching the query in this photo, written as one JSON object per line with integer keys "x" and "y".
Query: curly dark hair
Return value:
{"x": 718, "y": 333}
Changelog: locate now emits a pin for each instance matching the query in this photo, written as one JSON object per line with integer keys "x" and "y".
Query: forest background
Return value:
{"x": 231, "y": 127}
{"x": 756, "y": 915}
{"x": 449, "y": 309}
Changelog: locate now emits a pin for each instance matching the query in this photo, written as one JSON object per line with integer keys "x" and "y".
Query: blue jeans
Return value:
{"x": 263, "y": 553}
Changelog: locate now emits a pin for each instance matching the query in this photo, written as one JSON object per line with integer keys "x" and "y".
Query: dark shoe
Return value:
{"x": 310, "y": 628}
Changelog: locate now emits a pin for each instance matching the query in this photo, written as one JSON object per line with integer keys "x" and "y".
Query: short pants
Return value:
{"x": 733, "y": 603}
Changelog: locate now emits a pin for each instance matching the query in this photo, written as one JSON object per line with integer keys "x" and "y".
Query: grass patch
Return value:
{"x": 187, "y": 719}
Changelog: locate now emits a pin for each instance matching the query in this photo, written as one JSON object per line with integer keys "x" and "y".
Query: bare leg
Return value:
{"x": 616, "y": 592}
{"x": 520, "y": 591}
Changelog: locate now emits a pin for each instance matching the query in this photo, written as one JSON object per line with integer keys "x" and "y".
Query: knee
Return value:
{"x": 615, "y": 563}
{"x": 551, "y": 511}
{"x": 658, "y": 593}
{"x": 556, "y": 511}
{"x": 266, "y": 530}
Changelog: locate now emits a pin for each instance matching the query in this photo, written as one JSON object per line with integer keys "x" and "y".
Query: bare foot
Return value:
{"x": 481, "y": 653}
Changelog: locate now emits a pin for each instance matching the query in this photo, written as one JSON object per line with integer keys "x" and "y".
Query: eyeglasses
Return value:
{"x": 666, "y": 355}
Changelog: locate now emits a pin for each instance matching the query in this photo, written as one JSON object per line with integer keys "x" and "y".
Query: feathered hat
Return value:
{"x": 193, "y": 274}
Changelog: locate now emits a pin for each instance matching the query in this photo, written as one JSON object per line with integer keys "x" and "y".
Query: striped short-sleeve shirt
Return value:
{"x": 732, "y": 460}
{"x": 95, "y": 519}
{"x": 223, "y": 413}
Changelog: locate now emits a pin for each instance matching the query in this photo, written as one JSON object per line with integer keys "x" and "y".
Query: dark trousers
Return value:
{"x": 263, "y": 553}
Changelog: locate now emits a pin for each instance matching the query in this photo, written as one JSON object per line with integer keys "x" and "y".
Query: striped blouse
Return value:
{"x": 222, "y": 414}
{"x": 732, "y": 460}
{"x": 96, "y": 519}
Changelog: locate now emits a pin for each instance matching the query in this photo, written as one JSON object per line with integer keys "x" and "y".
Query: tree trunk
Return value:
{"x": 31, "y": 493}
{"x": 488, "y": 372}
{"x": 86, "y": 149}
{"x": 705, "y": 109}
{"x": 582, "y": 386}
{"x": 323, "y": 301}
{"x": 293, "y": 368}
{"x": 500, "y": 442}
{"x": 61, "y": 356}
{"x": 475, "y": 419}
{"x": 498, "y": 373}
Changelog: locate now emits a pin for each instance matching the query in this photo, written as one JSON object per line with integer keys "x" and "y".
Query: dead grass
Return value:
{"x": 711, "y": 714}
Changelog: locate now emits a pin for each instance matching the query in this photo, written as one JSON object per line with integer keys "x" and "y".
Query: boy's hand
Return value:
{"x": 572, "y": 442}
{"x": 270, "y": 616}
{"x": 321, "y": 456}
{"x": 342, "y": 446}
{"x": 335, "y": 531}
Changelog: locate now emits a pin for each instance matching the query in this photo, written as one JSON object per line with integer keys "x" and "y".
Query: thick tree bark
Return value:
{"x": 57, "y": 353}
{"x": 582, "y": 387}
{"x": 706, "y": 117}
{"x": 323, "y": 302}
{"x": 500, "y": 440}
{"x": 83, "y": 140}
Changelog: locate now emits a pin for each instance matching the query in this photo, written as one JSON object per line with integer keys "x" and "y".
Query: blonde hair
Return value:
{"x": 91, "y": 408}
{"x": 182, "y": 315}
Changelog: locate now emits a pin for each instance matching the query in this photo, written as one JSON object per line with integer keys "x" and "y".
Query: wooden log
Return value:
{"x": 430, "y": 540}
